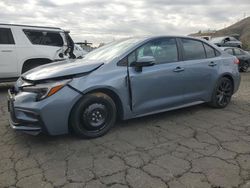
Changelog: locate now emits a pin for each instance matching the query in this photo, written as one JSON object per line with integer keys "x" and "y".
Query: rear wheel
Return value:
{"x": 222, "y": 93}
{"x": 244, "y": 67}
{"x": 93, "y": 116}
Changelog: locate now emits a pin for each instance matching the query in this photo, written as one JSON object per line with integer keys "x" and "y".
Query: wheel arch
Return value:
{"x": 115, "y": 97}
{"x": 230, "y": 77}
{"x": 111, "y": 93}
{"x": 41, "y": 60}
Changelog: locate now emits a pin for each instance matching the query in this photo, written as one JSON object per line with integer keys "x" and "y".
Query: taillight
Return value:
{"x": 237, "y": 61}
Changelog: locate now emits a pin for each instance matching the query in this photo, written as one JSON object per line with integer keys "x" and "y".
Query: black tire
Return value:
{"x": 93, "y": 115}
{"x": 244, "y": 67}
{"x": 222, "y": 93}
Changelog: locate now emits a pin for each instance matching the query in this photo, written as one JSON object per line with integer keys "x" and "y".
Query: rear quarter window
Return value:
{"x": 46, "y": 38}
{"x": 210, "y": 51}
{"x": 6, "y": 36}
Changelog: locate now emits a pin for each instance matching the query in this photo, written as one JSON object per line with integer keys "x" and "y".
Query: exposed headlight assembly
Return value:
{"x": 47, "y": 89}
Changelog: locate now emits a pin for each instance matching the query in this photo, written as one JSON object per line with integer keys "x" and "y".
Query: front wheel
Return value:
{"x": 93, "y": 115}
{"x": 222, "y": 93}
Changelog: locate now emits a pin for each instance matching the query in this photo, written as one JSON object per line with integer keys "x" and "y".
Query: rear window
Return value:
{"x": 46, "y": 38}
{"x": 6, "y": 36}
{"x": 193, "y": 49}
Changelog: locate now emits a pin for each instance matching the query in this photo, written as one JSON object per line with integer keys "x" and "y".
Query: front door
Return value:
{"x": 160, "y": 86}
{"x": 8, "y": 58}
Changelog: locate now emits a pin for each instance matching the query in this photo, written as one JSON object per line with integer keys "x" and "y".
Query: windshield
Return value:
{"x": 112, "y": 50}
{"x": 217, "y": 39}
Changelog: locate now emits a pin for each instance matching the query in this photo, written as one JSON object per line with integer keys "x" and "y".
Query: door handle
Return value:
{"x": 6, "y": 51}
{"x": 212, "y": 64}
{"x": 178, "y": 69}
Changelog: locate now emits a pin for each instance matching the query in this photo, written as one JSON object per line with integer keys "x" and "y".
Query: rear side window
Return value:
{"x": 210, "y": 52}
{"x": 46, "y": 38}
{"x": 6, "y": 36}
{"x": 193, "y": 49}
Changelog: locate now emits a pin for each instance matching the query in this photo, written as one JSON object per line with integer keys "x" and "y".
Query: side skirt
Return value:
{"x": 166, "y": 110}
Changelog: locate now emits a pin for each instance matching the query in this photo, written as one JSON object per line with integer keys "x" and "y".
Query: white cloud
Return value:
{"x": 105, "y": 20}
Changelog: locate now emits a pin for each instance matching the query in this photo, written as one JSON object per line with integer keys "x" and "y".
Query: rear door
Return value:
{"x": 200, "y": 65}
{"x": 8, "y": 57}
{"x": 159, "y": 86}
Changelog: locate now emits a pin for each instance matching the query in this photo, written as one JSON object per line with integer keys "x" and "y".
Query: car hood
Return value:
{"x": 67, "y": 68}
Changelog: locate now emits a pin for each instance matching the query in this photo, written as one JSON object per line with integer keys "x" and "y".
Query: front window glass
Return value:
{"x": 232, "y": 39}
{"x": 217, "y": 39}
{"x": 164, "y": 51}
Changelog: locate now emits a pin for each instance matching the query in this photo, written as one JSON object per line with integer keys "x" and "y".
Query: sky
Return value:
{"x": 107, "y": 20}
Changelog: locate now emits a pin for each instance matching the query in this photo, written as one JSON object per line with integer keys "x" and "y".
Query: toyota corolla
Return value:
{"x": 124, "y": 79}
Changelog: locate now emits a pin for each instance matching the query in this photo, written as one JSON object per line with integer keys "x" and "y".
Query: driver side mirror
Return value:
{"x": 145, "y": 61}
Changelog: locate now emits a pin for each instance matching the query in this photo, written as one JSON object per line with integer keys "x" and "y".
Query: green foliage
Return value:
{"x": 245, "y": 45}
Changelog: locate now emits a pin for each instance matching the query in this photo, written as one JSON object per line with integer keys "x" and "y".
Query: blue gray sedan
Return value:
{"x": 124, "y": 79}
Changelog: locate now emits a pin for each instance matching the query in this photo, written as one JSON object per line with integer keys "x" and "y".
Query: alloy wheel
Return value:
{"x": 224, "y": 92}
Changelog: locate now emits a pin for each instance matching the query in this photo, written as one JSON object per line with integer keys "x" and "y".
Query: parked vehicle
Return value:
{"x": 25, "y": 47}
{"x": 226, "y": 41}
{"x": 242, "y": 55}
{"x": 124, "y": 79}
{"x": 79, "y": 52}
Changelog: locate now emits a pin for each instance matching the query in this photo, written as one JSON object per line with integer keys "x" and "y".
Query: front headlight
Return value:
{"x": 47, "y": 89}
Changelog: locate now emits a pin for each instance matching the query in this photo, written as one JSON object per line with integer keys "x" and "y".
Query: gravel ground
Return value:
{"x": 195, "y": 147}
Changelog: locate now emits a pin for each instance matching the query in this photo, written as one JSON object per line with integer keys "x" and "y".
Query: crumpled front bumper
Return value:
{"x": 50, "y": 115}
{"x": 30, "y": 124}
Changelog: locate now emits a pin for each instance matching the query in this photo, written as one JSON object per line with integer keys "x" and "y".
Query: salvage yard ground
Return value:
{"x": 195, "y": 147}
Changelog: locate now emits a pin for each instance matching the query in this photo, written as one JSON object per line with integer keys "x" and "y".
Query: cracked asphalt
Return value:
{"x": 196, "y": 147}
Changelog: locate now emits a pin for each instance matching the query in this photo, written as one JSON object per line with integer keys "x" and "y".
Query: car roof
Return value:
{"x": 224, "y": 48}
{"x": 171, "y": 36}
{"x": 31, "y": 26}
{"x": 174, "y": 36}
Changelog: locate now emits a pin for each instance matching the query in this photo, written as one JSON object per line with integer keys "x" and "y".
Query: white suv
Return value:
{"x": 25, "y": 47}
